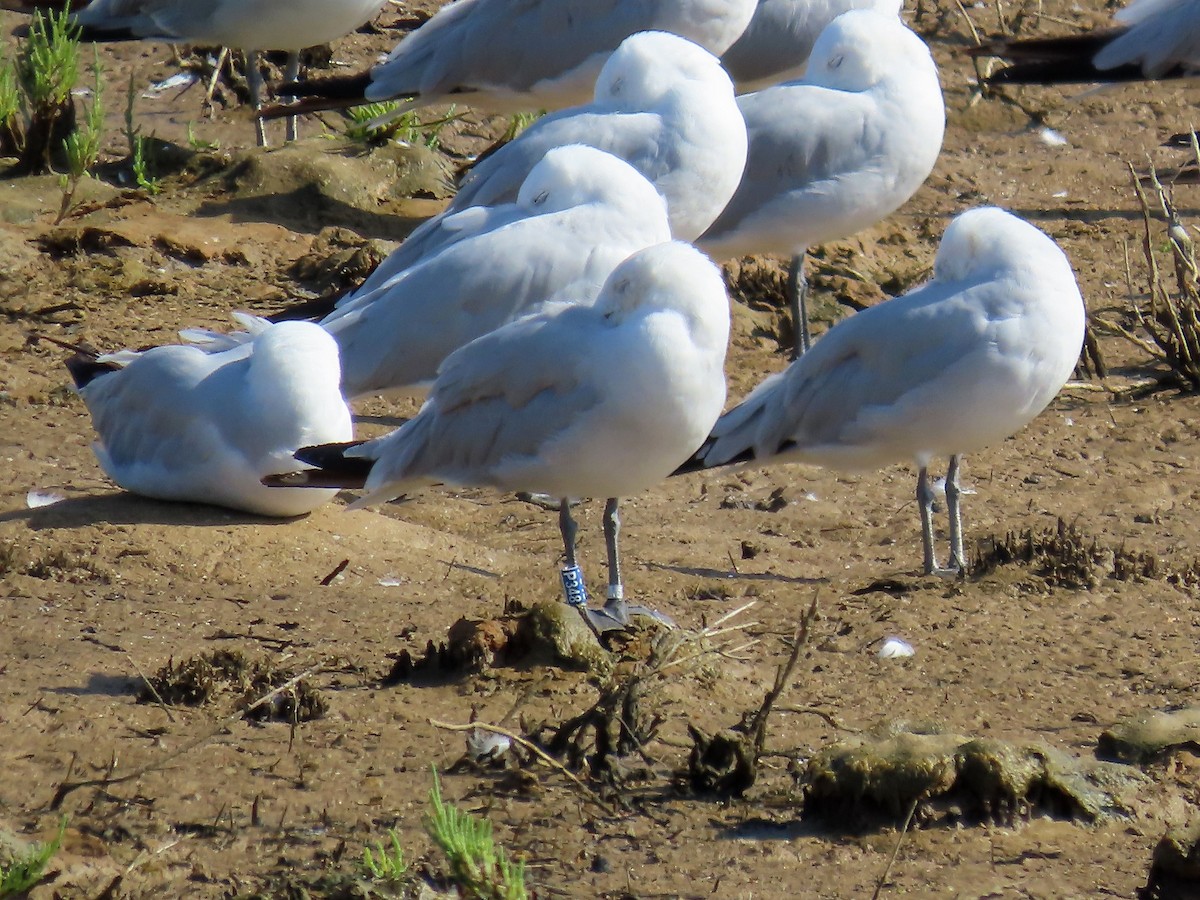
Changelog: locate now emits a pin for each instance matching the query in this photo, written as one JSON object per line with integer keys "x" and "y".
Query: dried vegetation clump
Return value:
{"x": 75, "y": 566}
{"x": 1166, "y": 324}
{"x": 203, "y": 679}
{"x": 338, "y": 261}
{"x": 761, "y": 290}
{"x": 726, "y": 763}
{"x": 1066, "y": 557}
{"x": 613, "y": 739}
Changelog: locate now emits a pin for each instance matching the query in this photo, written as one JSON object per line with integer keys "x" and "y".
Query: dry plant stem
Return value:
{"x": 896, "y": 851}
{"x": 970, "y": 25}
{"x": 982, "y": 68}
{"x": 783, "y": 675}
{"x": 537, "y": 751}
{"x": 1116, "y": 328}
{"x": 68, "y": 787}
{"x": 1174, "y": 325}
{"x": 716, "y": 627}
{"x": 149, "y": 686}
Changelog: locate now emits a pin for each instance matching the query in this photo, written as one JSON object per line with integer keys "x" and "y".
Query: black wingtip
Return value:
{"x": 332, "y": 468}
{"x": 85, "y": 369}
{"x": 697, "y": 463}
{"x": 83, "y": 366}
{"x": 1061, "y": 60}
{"x": 332, "y": 457}
{"x": 306, "y": 310}
{"x": 98, "y": 35}
{"x": 1063, "y": 71}
{"x": 319, "y": 94}
{"x": 1042, "y": 49}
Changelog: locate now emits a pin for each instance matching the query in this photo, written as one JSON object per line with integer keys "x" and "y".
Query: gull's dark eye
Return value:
{"x": 836, "y": 61}
{"x": 541, "y": 198}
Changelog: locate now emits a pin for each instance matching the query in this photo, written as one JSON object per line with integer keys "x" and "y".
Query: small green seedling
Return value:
{"x": 199, "y": 144}
{"x": 48, "y": 64}
{"x": 518, "y": 123}
{"x": 479, "y": 868}
{"x": 27, "y": 871}
{"x": 82, "y": 145}
{"x": 405, "y": 127}
{"x": 138, "y": 161}
{"x": 10, "y": 104}
{"x": 385, "y": 864}
{"x": 47, "y": 69}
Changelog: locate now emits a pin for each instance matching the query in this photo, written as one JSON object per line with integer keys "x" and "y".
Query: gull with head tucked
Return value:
{"x": 178, "y": 423}
{"x": 665, "y": 106}
{"x": 601, "y": 400}
{"x": 779, "y": 39}
{"x": 837, "y": 151}
{"x": 579, "y": 213}
{"x": 962, "y": 362}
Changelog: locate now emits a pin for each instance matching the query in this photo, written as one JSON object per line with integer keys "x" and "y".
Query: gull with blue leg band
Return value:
{"x": 573, "y": 588}
{"x": 511, "y": 411}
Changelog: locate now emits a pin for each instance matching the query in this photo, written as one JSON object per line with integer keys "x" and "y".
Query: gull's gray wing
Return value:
{"x": 633, "y": 137}
{"x": 501, "y": 398}
{"x": 803, "y": 138}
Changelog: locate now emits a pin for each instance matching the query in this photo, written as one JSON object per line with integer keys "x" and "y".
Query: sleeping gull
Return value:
{"x": 950, "y": 367}
{"x": 779, "y": 39}
{"x": 251, "y": 25}
{"x": 177, "y": 423}
{"x": 1152, "y": 39}
{"x": 580, "y": 212}
{"x": 600, "y": 400}
{"x": 664, "y": 105}
{"x": 516, "y": 55}
{"x": 837, "y": 151}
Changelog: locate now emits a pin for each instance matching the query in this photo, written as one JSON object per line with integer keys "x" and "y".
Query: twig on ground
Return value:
{"x": 896, "y": 851}
{"x": 150, "y": 686}
{"x": 783, "y": 675}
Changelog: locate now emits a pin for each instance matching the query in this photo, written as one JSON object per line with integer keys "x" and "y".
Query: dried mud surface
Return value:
{"x": 103, "y": 587}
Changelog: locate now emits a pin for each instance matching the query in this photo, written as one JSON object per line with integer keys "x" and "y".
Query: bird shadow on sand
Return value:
{"x": 121, "y": 508}
{"x": 100, "y": 684}
{"x": 733, "y": 574}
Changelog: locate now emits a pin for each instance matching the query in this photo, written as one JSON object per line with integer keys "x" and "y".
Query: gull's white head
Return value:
{"x": 649, "y": 64}
{"x": 295, "y": 381}
{"x": 863, "y": 47}
{"x": 986, "y": 242}
{"x": 301, "y": 346}
{"x": 576, "y": 174}
{"x": 672, "y": 276}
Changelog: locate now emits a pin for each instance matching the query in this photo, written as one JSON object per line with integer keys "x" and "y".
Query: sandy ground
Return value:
{"x": 104, "y": 587}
